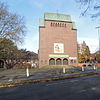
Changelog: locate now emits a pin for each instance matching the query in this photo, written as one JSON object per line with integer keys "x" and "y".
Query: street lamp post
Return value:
{"x": 98, "y": 36}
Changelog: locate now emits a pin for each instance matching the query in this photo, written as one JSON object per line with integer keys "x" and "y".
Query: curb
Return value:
{"x": 22, "y": 82}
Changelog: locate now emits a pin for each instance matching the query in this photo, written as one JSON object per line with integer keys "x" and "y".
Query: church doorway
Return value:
{"x": 65, "y": 61}
{"x": 58, "y": 61}
{"x": 52, "y": 61}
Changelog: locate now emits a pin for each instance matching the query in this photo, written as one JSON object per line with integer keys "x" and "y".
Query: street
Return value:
{"x": 83, "y": 88}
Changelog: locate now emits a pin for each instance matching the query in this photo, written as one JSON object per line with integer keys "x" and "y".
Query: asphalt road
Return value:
{"x": 83, "y": 88}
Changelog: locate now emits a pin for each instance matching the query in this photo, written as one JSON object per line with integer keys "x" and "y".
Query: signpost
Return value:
{"x": 27, "y": 72}
{"x": 64, "y": 71}
{"x": 83, "y": 69}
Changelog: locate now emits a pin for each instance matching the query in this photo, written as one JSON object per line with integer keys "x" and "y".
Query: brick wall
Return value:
{"x": 57, "y": 32}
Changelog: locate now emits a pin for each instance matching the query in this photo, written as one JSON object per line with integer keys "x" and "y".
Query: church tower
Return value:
{"x": 57, "y": 40}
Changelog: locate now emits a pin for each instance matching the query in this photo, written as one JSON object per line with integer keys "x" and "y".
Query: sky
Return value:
{"x": 32, "y": 10}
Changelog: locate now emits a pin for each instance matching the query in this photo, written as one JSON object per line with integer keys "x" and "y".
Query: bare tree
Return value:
{"x": 90, "y": 7}
{"x": 12, "y": 26}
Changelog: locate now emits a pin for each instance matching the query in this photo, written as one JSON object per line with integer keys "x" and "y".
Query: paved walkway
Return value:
{"x": 20, "y": 74}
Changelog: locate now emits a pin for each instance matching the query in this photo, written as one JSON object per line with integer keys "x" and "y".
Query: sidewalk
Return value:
{"x": 13, "y": 77}
{"x": 18, "y": 74}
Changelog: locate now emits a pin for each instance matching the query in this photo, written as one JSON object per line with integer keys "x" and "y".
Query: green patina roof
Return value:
{"x": 56, "y": 17}
{"x": 41, "y": 22}
{"x": 74, "y": 25}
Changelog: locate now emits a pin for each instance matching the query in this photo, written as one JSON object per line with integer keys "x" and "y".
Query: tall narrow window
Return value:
{"x": 60, "y": 24}
{"x": 51, "y": 24}
{"x": 65, "y": 25}
{"x": 56, "y": 25}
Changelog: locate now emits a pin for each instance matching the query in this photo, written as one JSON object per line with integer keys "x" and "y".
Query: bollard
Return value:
{"x": 82, "y": 68}
{"x": 10, "y": 79}
{"x": 27, "y": 72}
{"x": 64, "y": 70}
{"x": 94, "y": 67}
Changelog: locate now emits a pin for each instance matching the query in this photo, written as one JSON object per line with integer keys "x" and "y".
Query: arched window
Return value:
{"x": 58, "y": 61}
{"x": 65, "y": 61}
{"x": 51, "y": 24}
{"x": 65, "y": 25}
{"x": 56, "y": 25}
{"x": 52, "y": 61}
{"x": 60, "y": 24}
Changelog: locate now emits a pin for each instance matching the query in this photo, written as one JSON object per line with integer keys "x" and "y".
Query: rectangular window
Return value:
{"x": 74, "y": 61}
{"x": 71, "y": 61}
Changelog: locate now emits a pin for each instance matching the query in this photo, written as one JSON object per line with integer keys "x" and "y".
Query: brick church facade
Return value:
{"x": 57, "y": 40}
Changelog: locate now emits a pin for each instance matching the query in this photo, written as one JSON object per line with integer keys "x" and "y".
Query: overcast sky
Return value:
{"x": 32, "y": 10}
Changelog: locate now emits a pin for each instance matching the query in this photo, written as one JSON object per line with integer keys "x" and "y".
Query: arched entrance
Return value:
{"x": 1, "y": 63}
{"x": 65, "y": 61}
{"x": 58, "y": 61}
{"x": 52, "y": 61}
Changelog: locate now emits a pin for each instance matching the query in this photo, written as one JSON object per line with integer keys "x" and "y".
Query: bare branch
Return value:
{"x": 12, "y": 26}
{"x": 89, "y": 6}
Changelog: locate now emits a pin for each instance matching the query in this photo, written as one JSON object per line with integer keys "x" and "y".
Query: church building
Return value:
{"x": 57, "y": 40}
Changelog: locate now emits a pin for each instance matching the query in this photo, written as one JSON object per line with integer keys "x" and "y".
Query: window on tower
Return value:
{"x": 57, "y": 24}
